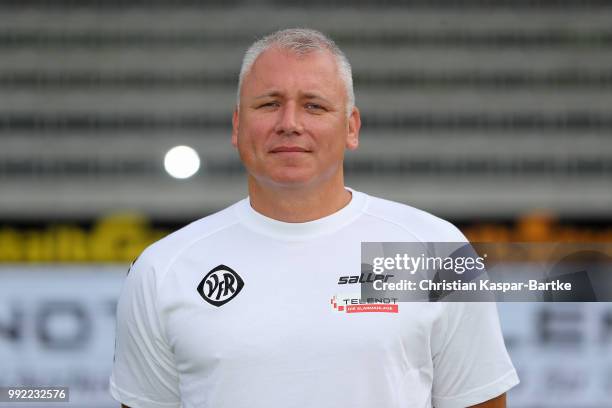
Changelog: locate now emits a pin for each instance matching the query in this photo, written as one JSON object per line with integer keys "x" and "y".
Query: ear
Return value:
{"x": 235, "y": 127}
{"x": 354, "y": 124}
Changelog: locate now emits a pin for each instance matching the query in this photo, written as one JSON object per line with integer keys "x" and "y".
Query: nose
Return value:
{"x": 289, "y": 122}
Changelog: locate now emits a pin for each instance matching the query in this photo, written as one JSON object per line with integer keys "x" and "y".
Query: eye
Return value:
{"x": 272, "y": 104}
{"x": 314, "y": 107}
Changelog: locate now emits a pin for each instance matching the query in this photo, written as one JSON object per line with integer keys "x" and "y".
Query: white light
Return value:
{"x": 182, "y": 162}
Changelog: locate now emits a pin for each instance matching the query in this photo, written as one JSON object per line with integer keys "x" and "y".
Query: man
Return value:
{"x": 234, "y": 310}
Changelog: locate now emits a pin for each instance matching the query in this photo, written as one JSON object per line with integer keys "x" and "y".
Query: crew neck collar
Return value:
{"x": 298, "y": 231}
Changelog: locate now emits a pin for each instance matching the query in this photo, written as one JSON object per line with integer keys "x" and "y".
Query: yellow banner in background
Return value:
{"x": 536, "y": 227}
{"x": 116, "y": 238}
{"x": 122, "y": 237}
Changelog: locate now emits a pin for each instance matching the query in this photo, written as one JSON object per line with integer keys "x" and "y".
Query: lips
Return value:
{"x": 289, "y": 149}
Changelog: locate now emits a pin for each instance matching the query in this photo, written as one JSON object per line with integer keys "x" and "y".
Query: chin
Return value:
{"x": 287, "y": 180}
{"x": 291, "y": 175}
{"x": 292, "y": 182}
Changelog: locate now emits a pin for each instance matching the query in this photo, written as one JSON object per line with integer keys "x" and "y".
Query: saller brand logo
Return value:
{"x": 220, "y": 285}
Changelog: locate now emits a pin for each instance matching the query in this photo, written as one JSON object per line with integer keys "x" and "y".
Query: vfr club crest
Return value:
{"x": 220, "y": 285}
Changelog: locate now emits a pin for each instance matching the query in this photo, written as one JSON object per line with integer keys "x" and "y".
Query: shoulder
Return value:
{"x": 161, "y": 253}
{"x": 424, "y": 226}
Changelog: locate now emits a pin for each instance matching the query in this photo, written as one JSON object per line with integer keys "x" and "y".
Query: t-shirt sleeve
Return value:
{"x": 144, "y": 373}
{"x": 471, "y": 364}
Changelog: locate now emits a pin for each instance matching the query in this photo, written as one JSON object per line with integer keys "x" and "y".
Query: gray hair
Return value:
{"x": 301, "y": 41}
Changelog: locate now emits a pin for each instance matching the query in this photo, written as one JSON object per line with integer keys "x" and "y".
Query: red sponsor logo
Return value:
{"x": 371, "y": 308}
{"x": 364, "y": 307}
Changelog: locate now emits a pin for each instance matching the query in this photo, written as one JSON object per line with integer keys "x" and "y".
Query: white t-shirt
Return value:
{"x": 239, "y": 310}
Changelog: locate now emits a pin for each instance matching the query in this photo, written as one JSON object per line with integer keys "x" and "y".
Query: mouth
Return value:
{"x": 289, "y": 149}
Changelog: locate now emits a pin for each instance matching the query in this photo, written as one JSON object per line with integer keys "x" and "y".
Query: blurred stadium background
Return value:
{"x": 494, "y": 114}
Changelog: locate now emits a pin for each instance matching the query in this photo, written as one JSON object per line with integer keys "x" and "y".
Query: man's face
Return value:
{"x": 291, "y": 129}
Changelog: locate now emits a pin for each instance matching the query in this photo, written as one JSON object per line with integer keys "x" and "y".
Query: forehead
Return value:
{"x": 285, "y": 71}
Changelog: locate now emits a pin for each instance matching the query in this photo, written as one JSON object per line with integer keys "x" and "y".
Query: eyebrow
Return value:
{"x": 307, "y": 95}
{"x": 268, "y": 95}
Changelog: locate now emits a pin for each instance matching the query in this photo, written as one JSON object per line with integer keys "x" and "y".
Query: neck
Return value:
{"x": 293, "y": 204}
